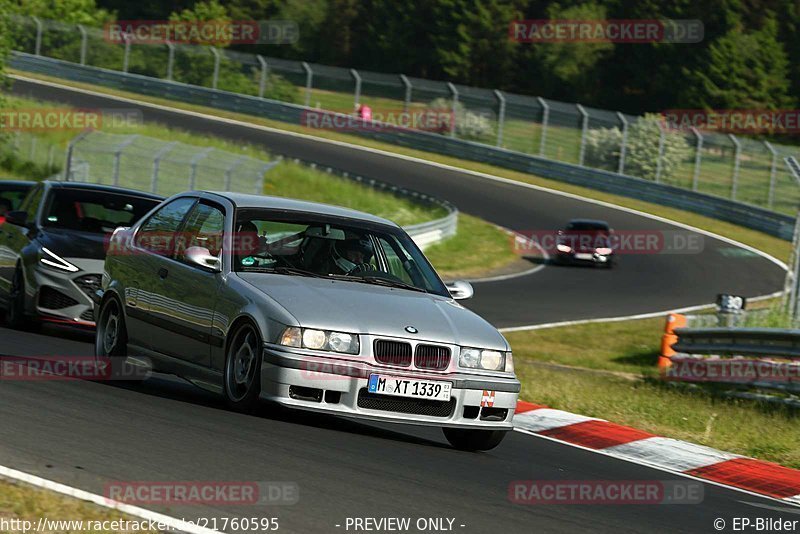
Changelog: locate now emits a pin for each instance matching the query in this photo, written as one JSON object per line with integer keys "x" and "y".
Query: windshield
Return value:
{"x": 96, "y": 212}
{"x": 305, "y": 245}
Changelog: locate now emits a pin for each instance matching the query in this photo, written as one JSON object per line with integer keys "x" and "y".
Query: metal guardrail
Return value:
{"x": 740, "y": 213}
{"x": 759, "y": 342}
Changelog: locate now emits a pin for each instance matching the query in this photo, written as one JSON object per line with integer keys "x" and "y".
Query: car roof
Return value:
{"x": 102, "y": 188}
{"x": 594, "y": 222}
{"x": 16, "y": 184}
{"x": 242, "y": 200}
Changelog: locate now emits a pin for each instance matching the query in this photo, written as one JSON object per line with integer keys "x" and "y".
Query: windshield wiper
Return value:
{"x": 380, "y": 281}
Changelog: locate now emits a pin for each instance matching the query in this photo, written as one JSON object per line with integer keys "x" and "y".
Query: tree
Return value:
{"x": 744, "y": 70}
{"x": 5, "y": 47}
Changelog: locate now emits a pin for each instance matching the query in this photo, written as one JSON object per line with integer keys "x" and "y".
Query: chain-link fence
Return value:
{"x": 149, "y": 164}
{"x": 728, "y": 166}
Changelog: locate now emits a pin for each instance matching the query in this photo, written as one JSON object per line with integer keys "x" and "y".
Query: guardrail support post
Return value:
{"x": 660, "y": 160}
{"x": 126, "y": 58}
{"x": 773, "y": 168}
{"x": 584, "y": 129}
{"x": 453, "y": 108}
{"x": 196, "y": 159}
{"x": 217, "y": 59}
{"x": 698, "y": 157}
{"x": 357, "y": 91}
{"x": 737, "y": 147}
{"x": 39, "y": 29}
{"x": 262, "y": 82}
{"x": 157, "y": 164}
{"x": 170, "y": 60}
{"x": 545, "y": 121}
{"x": 501, "y": 116}
{"x": 407, "y": 95}
{"x": 309, "y": 81}
{"x": 623, "y": 145}
{"x": 84, "y": 43}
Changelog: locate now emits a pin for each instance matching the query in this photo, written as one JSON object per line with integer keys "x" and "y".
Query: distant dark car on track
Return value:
{"x": 11, "y": 194}
{"x": 52, "y": 248}
{"x": 586, "y": 241}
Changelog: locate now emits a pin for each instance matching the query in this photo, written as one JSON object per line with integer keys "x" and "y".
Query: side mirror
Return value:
{"x": 18, "y": 218}
{"x": 460, "y": 289}
{"x": 201, "y": 257}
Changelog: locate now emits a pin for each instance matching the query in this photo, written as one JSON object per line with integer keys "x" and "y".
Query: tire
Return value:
{"x": 474, "y": 440}
{"x": 242, "y": 374}
{"x": 111, "y": 340}
{"x": 15, "y": 314}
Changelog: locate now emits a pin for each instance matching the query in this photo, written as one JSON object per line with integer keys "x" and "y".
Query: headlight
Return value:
{"x": 605, "y": 251}
{"x": 563, "y": 248}
{"x": 488, "y": 360}
{"x": 55, "y": 261}
{"x": 310, "y": 338}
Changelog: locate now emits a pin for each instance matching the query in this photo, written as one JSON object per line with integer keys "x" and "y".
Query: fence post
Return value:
{"x": 309, "y": 80}
{"x": 357, "y": 93}
{"x": 118, "y": 155}
{"x": 170, "y": 60}
{"x": 453, "y": 107}
{"x": 70, "y": 149}
{"x": 51, "y": 156}
{"x": 660, "y": 160}
{"x": 32, "y": 150}
{"x": 698, "y": 157}
{"x": 407, "y": 95}
{"x": 39, "y": 29}
{"x": 545, "y": 121}
{"x": 501, "y": 116}
{"x": 229, "y": 172}
{"x": 736, "y": 155}
{"x": 194, "y": 162}
{"x": 264, "y": 170}
{"x": 262, "y": 82}
{"x": 84, "y": 43}
{"x": 793, "y": 273}
{"x": 126, "y": 58}
{"x": 772, "y": 174}
{"x": 623, "y": 146}
{"x": 584, "y": 129}
{"x": 157, "y": 164}
{"x": 217, "y": 58}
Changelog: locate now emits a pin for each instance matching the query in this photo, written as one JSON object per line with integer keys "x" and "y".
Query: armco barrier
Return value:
{"x": 716, "y": 207}
{"x": 756, "y": 357}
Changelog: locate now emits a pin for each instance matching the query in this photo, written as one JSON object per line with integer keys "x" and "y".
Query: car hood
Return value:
{"x": 376, "y": 310}
{"x": 71, "y": 244}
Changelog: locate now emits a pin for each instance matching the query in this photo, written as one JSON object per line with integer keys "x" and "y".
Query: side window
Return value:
{"x": 31, "y": 203}
{"x": 395, "y": 263}
{"x": 204, "y": 228}
{"x": 159, "y": 232}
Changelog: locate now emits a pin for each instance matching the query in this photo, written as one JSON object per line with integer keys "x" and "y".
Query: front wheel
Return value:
{"x": 15, "y": 314}
{"x": 111, "y": 338}
{"x": 242, "y": 376}
{"x": 474, "y": 440}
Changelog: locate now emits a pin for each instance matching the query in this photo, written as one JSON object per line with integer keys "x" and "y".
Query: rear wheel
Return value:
{"x": 474, "y": 440}
{"x": 242, "y": 376}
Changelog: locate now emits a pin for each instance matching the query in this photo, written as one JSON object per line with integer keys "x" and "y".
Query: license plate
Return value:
{"x": 584, "y": 256}
{"x": 410, "y": 387}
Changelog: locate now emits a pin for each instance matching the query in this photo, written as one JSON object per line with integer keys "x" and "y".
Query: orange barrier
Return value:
{"x": 674, "y": 320}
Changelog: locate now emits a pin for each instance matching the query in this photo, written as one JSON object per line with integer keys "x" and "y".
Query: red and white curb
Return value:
{"x": 626, "y": 443}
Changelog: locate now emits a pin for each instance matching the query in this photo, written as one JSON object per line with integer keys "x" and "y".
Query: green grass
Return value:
{"x": 23, "y": 502}
{"x": 772, "y": 245}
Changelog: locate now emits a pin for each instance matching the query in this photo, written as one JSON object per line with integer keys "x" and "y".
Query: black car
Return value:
{"x": 586, "y": 241}
{"x": 52, "y": 249}
{"x": 11, "y": 194}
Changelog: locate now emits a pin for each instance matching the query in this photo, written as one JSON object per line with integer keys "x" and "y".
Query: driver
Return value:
{"x": 354, "y": 255}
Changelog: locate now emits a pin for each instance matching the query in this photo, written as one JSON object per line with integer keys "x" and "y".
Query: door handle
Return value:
{"x": 163, "y": 272}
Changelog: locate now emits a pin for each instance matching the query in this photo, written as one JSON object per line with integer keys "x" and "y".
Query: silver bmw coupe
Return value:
{"x": 310, "y": 306}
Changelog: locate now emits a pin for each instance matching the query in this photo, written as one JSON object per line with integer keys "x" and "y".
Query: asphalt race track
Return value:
{"x": 87, "y": 434}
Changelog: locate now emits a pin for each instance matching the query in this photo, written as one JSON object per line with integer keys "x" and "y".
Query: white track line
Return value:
{"x": 171, "y": 522}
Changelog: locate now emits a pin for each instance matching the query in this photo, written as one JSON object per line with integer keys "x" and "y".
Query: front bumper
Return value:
{"x": 339, "y": 387}
{"x": 585, "y": 257}
{"x": 64, "y": 297}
